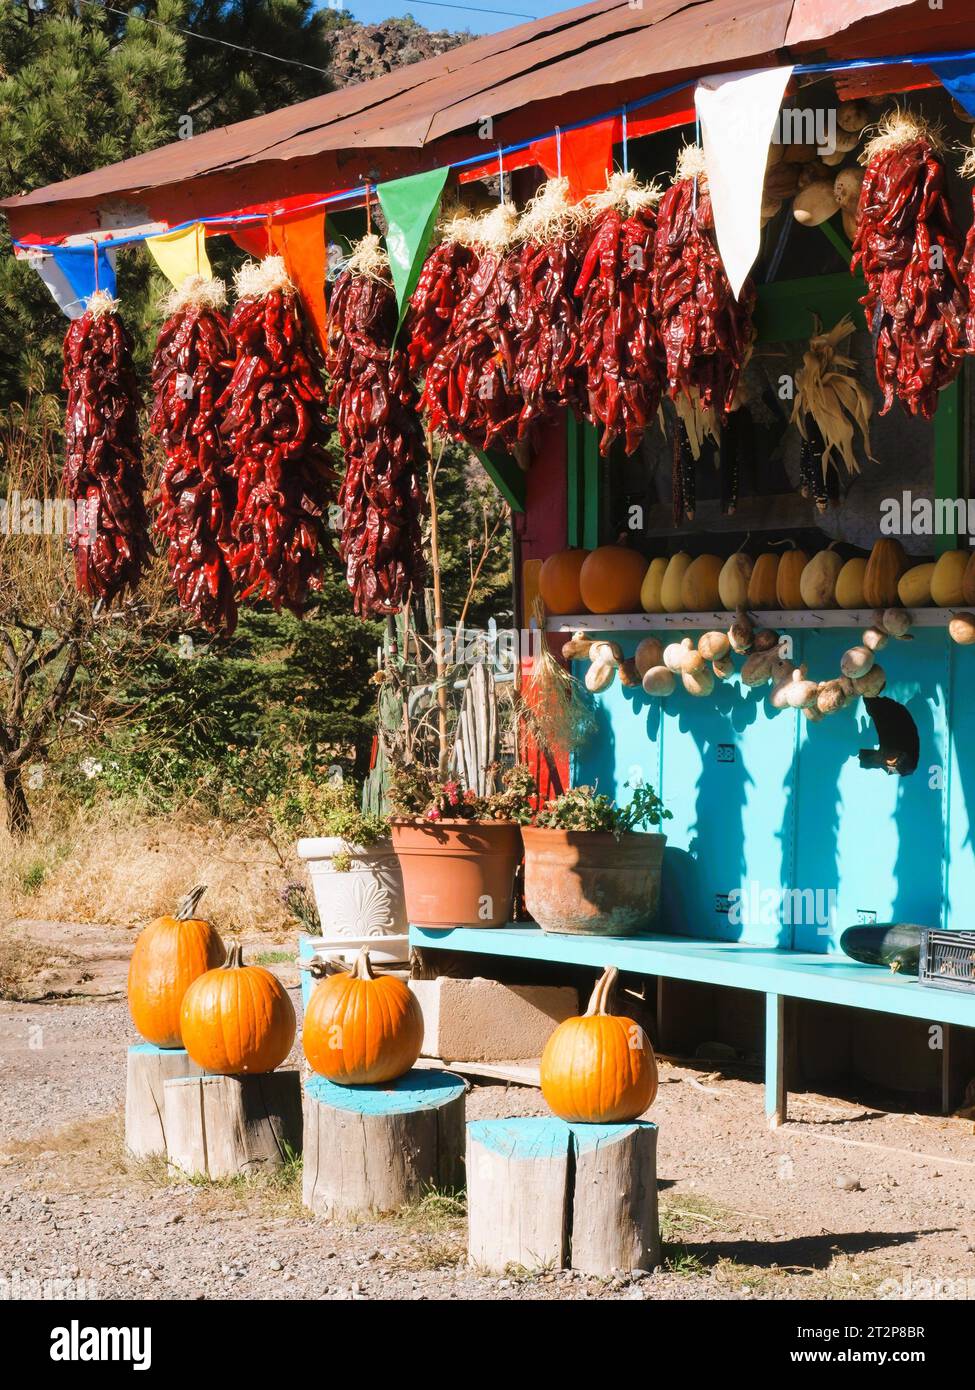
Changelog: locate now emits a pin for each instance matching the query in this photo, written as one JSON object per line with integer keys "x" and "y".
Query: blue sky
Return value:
{"x": 445, "y": 16}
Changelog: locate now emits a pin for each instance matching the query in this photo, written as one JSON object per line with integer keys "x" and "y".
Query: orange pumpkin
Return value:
{"x": 169, "y": 955}
{"x": 558, "y": 581}
{"x": 600, "y": 1068}
{"x": 360, "y": 1029}
{"x": 885, "y": 566}
{"x": 611, "y": 579}
{"x": 237, "y": 1019}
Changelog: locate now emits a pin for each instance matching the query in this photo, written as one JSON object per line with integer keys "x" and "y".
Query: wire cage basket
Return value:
{"x": 948, "y": 960}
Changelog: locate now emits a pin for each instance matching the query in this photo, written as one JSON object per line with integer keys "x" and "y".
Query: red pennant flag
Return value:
{"x": 586, "y": 157}
{"x": 300, "y": 240}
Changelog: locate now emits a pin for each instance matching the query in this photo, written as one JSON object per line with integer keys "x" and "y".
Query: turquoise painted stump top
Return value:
{"x": 419, "y": 1089}
{"x": 546, "y": 1136}
{"x": 150, "y": 1049}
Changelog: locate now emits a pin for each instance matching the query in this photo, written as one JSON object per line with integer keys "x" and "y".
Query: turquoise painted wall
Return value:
{"x": 778, "y": 836}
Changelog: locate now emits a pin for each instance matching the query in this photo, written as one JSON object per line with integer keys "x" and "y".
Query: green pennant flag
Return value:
{"x": 411, "y": 206}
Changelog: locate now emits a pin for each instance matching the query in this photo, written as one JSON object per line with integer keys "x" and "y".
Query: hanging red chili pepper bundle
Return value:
{"x": 440, "y": 288}
{"x": 382, "y": 438}
{"x": 706, "y": 332}
{"x": 103, "y": 474}
{"x": 909, "y": 247}
{"x": 190, "y": 371}
{"x": 620, "y": 346}
{"x": 548, "y": 362}
{"x": 276, "y": 427}
{"x": 967, "y": 267}
{"x": 470, "y": 391}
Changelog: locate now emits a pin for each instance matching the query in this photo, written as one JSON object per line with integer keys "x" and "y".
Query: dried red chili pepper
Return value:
{"x": 379, "y": 427}
{"x": 620, "y": 345}
{"x": 276, "y": 427}
{"x": 103, "y": 473}
{"x": 440, "y": 288}
{"x": 470, "y": 391}
{"x": 909, "y": 248}
{"x": 706, "y": 332}
{"x": 191, "y": 368}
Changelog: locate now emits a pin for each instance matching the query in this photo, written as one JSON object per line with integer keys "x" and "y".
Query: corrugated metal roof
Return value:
{"x": 598, "y": 45}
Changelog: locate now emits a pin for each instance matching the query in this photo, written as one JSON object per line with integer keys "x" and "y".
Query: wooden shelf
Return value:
{"x": 797, "y": 618}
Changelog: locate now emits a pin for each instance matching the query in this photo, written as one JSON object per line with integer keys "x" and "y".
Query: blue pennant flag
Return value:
{"x": 72, "y": 279}
{"x": 958, "y": 78}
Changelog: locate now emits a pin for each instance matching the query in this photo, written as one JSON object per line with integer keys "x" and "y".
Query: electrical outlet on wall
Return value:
{"x": 722, "y": 903}
{"x": 726, "y": 752}
{"x": 866, "y": 917}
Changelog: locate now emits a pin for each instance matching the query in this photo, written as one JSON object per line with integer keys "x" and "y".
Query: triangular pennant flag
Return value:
{"x": 738, "y": 112}
{"x": 587, "y": 157}
{"x": 181, "y": 253}
{"x": 78, "y": 266}
{"x": 58, "y": 285}
{"x": 411, "y": 206}
{"x": 958, "y": 78}
{"x": 300, "y": 240}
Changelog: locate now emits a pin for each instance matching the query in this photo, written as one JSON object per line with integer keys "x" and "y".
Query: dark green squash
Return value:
{"x": 894, "y": 944}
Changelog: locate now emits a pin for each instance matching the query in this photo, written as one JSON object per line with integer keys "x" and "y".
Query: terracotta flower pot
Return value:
{"x": 458, "y": 873}
{"x": 592, "y": 884}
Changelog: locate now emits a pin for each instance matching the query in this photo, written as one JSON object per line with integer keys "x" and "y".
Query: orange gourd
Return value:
{"x": 558, "y": 581}
{"x": 360, "y": 1029}
{"x": 885, "y": 566}
{"x": 599, "y": 1068}
{"x": 169, "y": 955}
{"x": 237, "y": 1019}
{"x": 611, "y": 579}
{"x": 788, "y": 578}
{"x": 761, "y": 585}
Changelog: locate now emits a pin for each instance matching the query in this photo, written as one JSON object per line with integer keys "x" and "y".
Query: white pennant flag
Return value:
{"x": 738, "y": 112}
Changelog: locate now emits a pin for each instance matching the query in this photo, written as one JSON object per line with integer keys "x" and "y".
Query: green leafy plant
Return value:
{"x": 310, "y": 805}
{"x": 583, "y": 808}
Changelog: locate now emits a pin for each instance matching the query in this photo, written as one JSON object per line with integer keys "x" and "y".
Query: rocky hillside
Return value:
{"x": 362, "y": 51}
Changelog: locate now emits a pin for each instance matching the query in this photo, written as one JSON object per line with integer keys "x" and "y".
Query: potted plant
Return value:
{"x": 355, "y": 875}
{"x": 589, "y": 869}
{"x": 458, "y": 851}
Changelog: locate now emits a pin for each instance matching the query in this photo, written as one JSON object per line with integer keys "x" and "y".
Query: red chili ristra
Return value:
{"x": 909, "y": 247}
{"x": 276, "y": 427}
{"x": 382, "y": 438}
{"x": 621, "y": 347}
{"x": 103, "y": 473}
{"x": 706, "y": 333}
{"x": 190, "y": 371}
{"x": 440, "y": 288}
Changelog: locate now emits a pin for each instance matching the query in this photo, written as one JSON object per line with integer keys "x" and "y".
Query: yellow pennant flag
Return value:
{"x": 181, "y": 253}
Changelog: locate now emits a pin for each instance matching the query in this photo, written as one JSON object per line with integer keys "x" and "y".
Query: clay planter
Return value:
{"x": 585, "y": 883}
{"x": 458, "y": 873}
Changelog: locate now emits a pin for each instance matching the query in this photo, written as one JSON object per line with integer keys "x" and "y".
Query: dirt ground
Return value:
{"x": 844, "y": 1201}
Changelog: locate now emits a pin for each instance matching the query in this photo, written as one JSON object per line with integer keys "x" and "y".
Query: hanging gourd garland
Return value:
{"x": 276, "y": 428}
{"x": 103, "y": 474}
{"x": 620, "y": 345}
{"x": 382, "y": 438}
{"x": 190, "y": 371}
{"x": 909, "y": 248}
{"x": 440, "y": 288}
{"x": 469, "y": 392}
{"x": 548, "y": 359}
{"x": 831, "y": 406}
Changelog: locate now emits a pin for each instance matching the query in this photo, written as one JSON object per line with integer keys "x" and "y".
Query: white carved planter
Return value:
{"x": 359, "y": 905}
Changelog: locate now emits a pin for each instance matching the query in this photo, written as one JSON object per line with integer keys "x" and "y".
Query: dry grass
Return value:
{"x": 21, "y": 960}
{"x": 110, "y": 866}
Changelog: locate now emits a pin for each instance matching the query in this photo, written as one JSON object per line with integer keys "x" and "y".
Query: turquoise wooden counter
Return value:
{"x": 776, "y": 973}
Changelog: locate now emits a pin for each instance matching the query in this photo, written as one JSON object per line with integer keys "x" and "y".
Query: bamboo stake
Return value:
{"x": 444, "y": 751}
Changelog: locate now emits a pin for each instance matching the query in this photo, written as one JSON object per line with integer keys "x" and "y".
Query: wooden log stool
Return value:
{"x": 147, "y": 1069}
{"x": 378, "y": 1148}
{"x": 545, "y": 1194}
{"x": 222, "y": 1126}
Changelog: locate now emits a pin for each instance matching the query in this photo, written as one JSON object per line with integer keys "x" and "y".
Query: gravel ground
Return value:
{"x": 844, "y": 1201}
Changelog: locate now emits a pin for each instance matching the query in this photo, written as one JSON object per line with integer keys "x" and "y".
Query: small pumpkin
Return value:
{"x": 237, "y": 1019}
{"x": 670, "y": 590}
{"x": 736, "y": 572}
{"x": 600, "y": 1068}
{"x": 788, "y": 578}
{"x": 362, "y": 1029}
{"x": 948, "y": 579}
{"x": 650, "y": 599}
{"x": 884, "y": 568}
{"x": 699, "y": 590}
{"x": 169, "y": 955}
{"x": 817, "y": 583}
{"x": 558, "y": 581}
{"x": 914, "y": 586}
{"x": 761, "y": 586}
{"x": 849, "y": 584}
{"x": 611, "y": 578}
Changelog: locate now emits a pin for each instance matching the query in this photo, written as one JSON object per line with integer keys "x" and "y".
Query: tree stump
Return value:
{"x": 147, "y": 1069}
{"x": 221, "y": 1126}
{"x": 377, "y": 1148}
{"x": 545, "y": 1194}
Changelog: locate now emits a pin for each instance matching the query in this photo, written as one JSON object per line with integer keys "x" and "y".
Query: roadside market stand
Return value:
{"x": 759, "y": 795}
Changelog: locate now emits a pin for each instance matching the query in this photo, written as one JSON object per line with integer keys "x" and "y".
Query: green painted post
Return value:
{"x": 590, "y": 487}
{"x": 506, "y": 475}
{"x": 573, "y": 471}
{"x": 948, "y": 457}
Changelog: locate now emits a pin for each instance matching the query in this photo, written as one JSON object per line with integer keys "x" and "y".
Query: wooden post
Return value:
{"x": 222, "y": 1126}
{"x": 378, "y": 1148}
{"x": 776, "y": 1095}
{"x": 147, "y": 1069}
{"x": 545, "y": 1194}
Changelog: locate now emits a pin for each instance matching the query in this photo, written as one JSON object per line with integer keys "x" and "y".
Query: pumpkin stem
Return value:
{"x": 788, "y": 541}
{"x": 188, "y": 905}
{"x": 234, "y": 957}
{"x": 599, "y": 1000}
{"x": 362, "y": 970}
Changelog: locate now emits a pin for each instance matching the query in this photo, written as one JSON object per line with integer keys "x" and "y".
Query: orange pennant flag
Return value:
{"x": 587, "y": 157}
{"x": 300, "y": 240}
